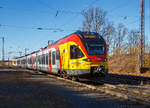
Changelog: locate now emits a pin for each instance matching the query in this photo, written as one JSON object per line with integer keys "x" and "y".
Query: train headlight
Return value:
{"x": 105, "y": 60}
{"x": 87, "y": 60}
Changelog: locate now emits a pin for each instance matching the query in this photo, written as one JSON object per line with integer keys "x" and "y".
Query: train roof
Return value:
{"x": 79, "y": 33}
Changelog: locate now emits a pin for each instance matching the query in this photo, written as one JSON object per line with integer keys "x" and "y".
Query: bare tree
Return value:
{"x": 118, "y": 40}
{"x": 99, "y": 20}
{"x": 133, "y": 39}
{"x": 108, "y": 34}
{"x": 95, "y": 20}
{"x": 87, "y": 24}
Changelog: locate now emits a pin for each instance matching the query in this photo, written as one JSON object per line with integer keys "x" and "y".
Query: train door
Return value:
{"x": 54, "y": 65}
{"x": 64, "y": 54}
{"x": 45, "y": 62}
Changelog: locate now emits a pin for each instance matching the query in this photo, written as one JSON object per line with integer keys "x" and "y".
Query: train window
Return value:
{"x": 95, "y": 48}
{"x": 57, "y": 55}
{"x": 39, "y": 59}
{"x": 24, "y": 61}
{"x": 33, "y": 60}
{"x": 49, "y": 58}
{"x": 43, "y": 58}
{"x": 36, "y": 59}
{"x": 53, "y": 57}
{"x": 75, "y": 52}
{"x": 27, "y": 60}
{"x": 30, "y": 60}
{"x": 18, "y": 62}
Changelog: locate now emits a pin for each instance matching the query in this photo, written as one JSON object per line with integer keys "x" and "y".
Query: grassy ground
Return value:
{"x": 1, "y": 63}
{"x": 127, "y": 64}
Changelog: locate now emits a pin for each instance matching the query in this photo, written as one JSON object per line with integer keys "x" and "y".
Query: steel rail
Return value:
{"x": 113, "y": 90}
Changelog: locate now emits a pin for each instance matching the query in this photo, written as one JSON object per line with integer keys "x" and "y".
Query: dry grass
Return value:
{"x": 127, "y": 64}
{"x": 1, "y": 63}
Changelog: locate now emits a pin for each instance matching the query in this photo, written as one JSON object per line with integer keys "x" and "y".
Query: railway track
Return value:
{"x": 140, "y": 94}
{"x": 124, "y": 91}
{"x": 121, "y": 91}
{"x": 126, "y": 79}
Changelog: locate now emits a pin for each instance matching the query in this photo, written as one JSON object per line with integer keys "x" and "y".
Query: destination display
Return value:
{"x": 89, "y": 36}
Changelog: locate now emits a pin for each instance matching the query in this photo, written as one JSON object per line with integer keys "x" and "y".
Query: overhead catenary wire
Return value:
{"x": 58, "y": 10}
{"x": 70, "y": 12}
{"x": 76, "y": 16}
{"x": 89, "y": 5}
{"x": 34, "y": 28}
{"x": 120, "y": 6}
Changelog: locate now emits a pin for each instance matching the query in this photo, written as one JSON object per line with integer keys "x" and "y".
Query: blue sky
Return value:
{"x": 20, "y": 18}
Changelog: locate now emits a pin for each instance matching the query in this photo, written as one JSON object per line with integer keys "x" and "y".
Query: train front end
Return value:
{"x": 95, "y": 60}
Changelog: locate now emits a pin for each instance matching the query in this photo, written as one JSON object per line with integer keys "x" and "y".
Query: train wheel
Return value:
{"x": 65, "y": 74}
{"x": 60, "y": 74}
{"x": 74, "y": 78}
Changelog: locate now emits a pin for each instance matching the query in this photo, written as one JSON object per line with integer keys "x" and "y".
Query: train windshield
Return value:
{"x": 95, "y": 48}
{"x": 93, "y": 42}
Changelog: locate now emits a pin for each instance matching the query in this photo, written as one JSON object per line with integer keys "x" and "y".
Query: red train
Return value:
{"x": 81, "y": 54}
